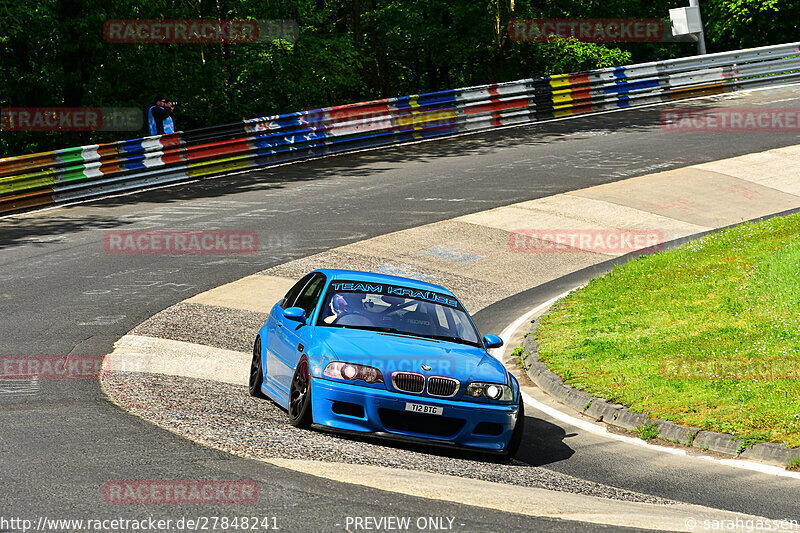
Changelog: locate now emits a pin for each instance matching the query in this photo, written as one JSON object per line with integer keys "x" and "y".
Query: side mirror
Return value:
{"x": 295, "y": 313}
{"x": 492, "y": 341}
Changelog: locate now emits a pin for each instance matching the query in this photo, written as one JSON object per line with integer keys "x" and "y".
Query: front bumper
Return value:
{"x": 366, "y": 410}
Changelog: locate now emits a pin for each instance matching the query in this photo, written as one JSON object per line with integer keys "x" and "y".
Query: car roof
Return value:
{"x": 374, "y": 277}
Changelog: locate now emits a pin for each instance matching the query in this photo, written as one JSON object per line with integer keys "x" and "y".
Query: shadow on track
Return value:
{"x": 542, "y": 444}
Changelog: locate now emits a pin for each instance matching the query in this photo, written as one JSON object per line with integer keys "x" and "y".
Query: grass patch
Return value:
{"x": 519, "y": 356}
{"x": 705, "y": 335}
{"x": 749, "y": 441}
{"x": 794, "y": 465}
{"x": 647, "y": 431}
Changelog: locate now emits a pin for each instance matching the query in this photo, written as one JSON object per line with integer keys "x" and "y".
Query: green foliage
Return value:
{"x": 52, "y": 53}
{"x": 519, "y": 355}
{"x": 647, "y": 431}
{"x": 704, "y": 335}
{"x": 749, "y": 440}
{"x": 732, "y": 24}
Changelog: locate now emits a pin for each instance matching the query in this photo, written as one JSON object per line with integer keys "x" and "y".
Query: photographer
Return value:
{"x": 159, "y": 116}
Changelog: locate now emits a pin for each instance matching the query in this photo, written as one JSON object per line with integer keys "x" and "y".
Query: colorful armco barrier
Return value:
{"x": 72, "y": 174}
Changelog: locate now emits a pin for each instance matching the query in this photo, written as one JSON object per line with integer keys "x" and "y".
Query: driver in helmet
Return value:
{"x": 343, "y": 303}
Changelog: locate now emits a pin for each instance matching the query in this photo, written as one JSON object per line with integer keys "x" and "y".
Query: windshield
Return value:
{"x": 398, "y": 310}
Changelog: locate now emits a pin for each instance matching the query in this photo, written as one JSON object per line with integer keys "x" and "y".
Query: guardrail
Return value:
{"x": 72, "y": 174}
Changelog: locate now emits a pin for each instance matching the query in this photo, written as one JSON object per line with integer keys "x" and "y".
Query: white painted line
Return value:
{"x": 598, "y": 429}
{"x": 514, "y": 326}
{"x": 602, "y": 429}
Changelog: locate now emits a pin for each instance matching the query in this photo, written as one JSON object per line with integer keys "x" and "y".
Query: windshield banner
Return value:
{"x": 393, "y": 290}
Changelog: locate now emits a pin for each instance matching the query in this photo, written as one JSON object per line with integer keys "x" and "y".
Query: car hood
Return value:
{"x": 389, "y": 352}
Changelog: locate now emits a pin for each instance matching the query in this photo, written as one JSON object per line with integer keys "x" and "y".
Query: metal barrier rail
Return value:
{"x": 83, "y": 172}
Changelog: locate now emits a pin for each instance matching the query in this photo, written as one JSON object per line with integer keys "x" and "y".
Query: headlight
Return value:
{"x": 493, "y": 391}
{"x": 352, "y": 372}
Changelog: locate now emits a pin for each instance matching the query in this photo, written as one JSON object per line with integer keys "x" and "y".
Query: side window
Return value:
{"x": 463, "y": 326}
{"x": 291, "y": 296}
{"x": 308, "y": 298}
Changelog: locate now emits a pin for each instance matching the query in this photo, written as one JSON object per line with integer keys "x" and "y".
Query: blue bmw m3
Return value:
{"x": 370, "y": 354}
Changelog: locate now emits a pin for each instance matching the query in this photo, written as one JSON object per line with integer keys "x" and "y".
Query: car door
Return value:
{"x": 296, "y": 335}
{"x": 275, "y": 365}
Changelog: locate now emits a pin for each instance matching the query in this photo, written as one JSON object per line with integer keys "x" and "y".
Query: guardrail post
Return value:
{"x": 701, "y": 37}
{"x": 688, "y": 21}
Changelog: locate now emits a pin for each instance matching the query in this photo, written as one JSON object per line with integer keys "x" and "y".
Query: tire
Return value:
{"x": 300, "y": 396}
{"x": 516, "y": 437}
{"x": 256, "y": 371}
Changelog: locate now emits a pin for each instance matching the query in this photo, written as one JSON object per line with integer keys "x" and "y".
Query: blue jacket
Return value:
{"x": 159, "y": 120}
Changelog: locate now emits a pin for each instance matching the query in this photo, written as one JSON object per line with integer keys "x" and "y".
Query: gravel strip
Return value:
{"x": 210, "y": 325}
{"x": 225, "y": 417}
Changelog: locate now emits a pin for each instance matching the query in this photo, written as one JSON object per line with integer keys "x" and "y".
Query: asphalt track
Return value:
{"x": 62, "y": 294}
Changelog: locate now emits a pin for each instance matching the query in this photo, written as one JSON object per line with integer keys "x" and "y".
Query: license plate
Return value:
{"x": 427, "y": 409}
